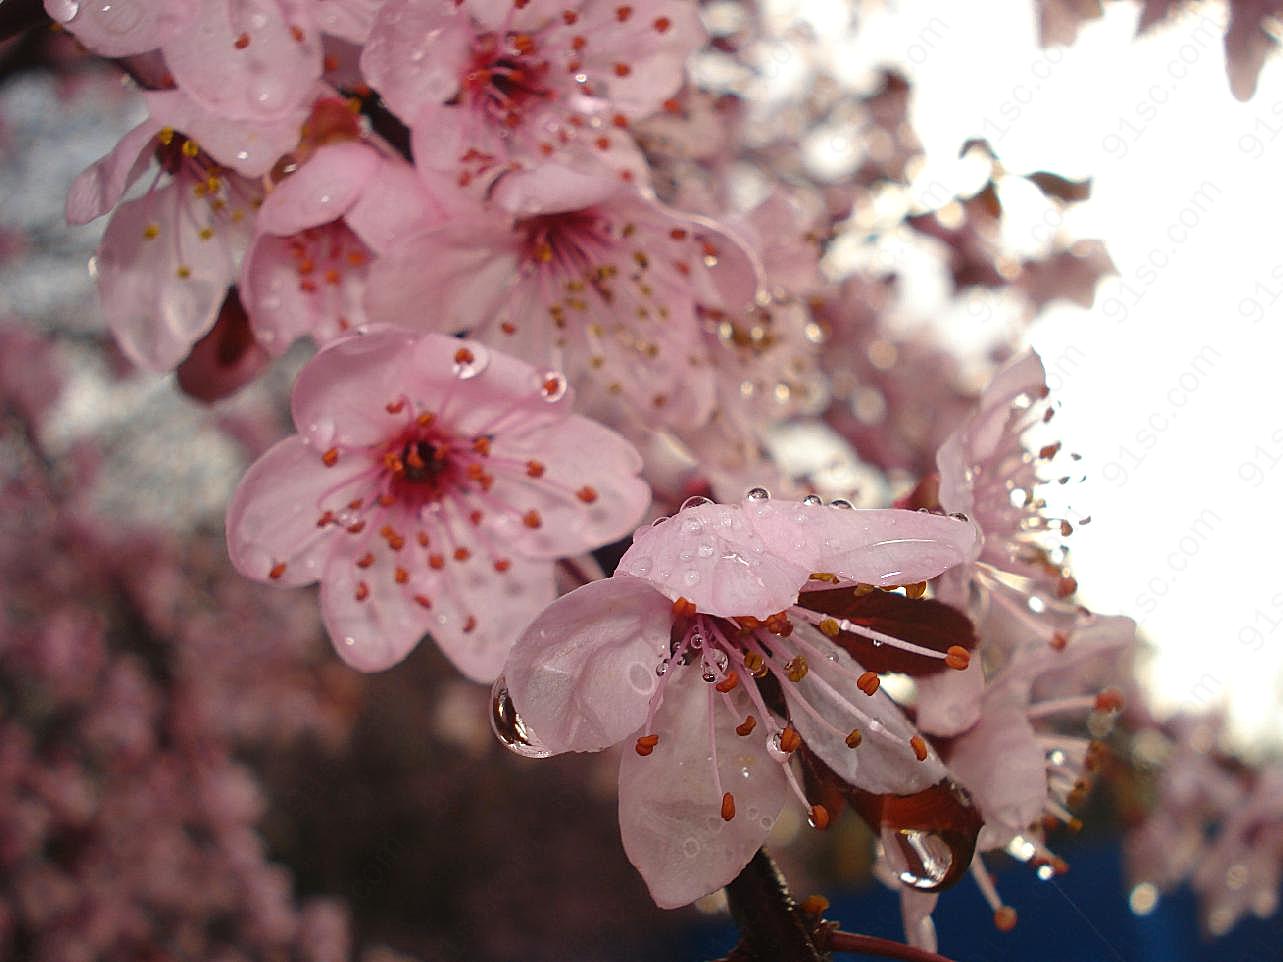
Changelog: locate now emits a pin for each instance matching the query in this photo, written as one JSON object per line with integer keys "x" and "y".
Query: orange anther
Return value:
{"x": 436, "y": 561}
{"x": 819, "y": 817}
{"x": 916, "y": 590}
{"x": 534, "y": 469}
{"x": 402, "y": 576}
{"x": 623, "y": 13}
{"x": 330, "y": 457}
{"x": 745, "y": 728}
{"x": 919, "y": 746}
{"x": 502, "y": 564}
{"x": 394, "y": 407}
{"x": 365, "y": 560}
{"x": 662, "y": 24}
{"x": 646, "y": 744}
{"x": 481, "y": 445}
{"x": 587, "y": 494}
{"x": 424, "y": 419}
{"x": 683, "y": 608}
{"x": 362, "y": 591}
{"x": 277, "y": 571}
{"x": 729, "y": 682}
{"x": 814, "y": 905}
{"x": 470, "y": 624}
{"x": 622, "y": 70}
{"x": 957, "y": 658}
{"x": 868, "y": 683}
{"x": 569, "y": 17}
{"x": 1059, "y": 640}
{"x": 241, "y": 42}
{"x": 728, "y": 807}
{"x": 854, "y": 738}
{"x": 462, "y": 554}
{"x": 464, "y": 356}
{"x": 790, "y": 740}
{"x": 1004, "y": 919}
{"x": 1111, "y": 699}
{"x": 423, "y": 601}
{"x": 531, "y": 519}
{"x": 578, "y": 42}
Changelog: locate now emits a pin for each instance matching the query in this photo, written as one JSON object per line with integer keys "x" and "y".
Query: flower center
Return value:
{"x": 505, "y": 78}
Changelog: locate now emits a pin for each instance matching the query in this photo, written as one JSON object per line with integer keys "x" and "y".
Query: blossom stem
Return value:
{"x": 773, "y": 928}
{"x": 872, "y": 945}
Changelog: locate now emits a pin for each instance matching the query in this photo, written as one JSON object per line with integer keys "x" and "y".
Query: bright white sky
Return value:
{"x": 1168, "y": 382}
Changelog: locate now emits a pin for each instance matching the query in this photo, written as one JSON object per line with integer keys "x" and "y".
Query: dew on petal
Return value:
{"x": 509, "y": 727}
{"x": 757, "y": 494}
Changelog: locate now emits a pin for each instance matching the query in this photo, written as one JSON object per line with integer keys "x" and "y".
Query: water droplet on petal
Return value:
{"x": 470, "y": 360}
{"x": 813, "y": 500}
{"x": 690, "y": 847}
{"x": 841, "y": 503}
{"x": 691, "y": 578}
{"x": 757, "y": 494}
{"x": 773, "y": 747}
{"x": 920, "y": 859}
{"x": 62, "y": 10}
{"x": 508, "y": 725}
{"x": 662, "y": 668}
{"x": 694, "y": 502}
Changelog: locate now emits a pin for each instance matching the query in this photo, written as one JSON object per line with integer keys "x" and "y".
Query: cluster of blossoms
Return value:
{"x": 557, "y": 285}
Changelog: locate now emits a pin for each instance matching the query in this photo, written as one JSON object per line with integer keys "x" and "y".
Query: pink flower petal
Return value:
{"x": 251, "y": 148}
{"x": 335, "y": 395}
{"x": 710, "y": 555}
{"x": 284, "y": 305}
{"x": 1002, "y": 765}
{"x": 655, "y": 57}
{"x": 977, "y": 441}
{"x": 375, "y": 622}
{"x": 669, "y": 810}
{"x": 265, "y": 77}
{"x": 582, "y": 674}
{"x": 101, "y": 185}
{"x": 272, "y": 517}
{"x": 883, "y": 762}
{"x": 464, "y": 271}
{"x": 551, "y": 189}
{"x": 124, "y": 27}
{"x": 161, "y": 294}
{"x": 600, "y": 500}
{"x": 320, "y": 191}
{"x": 416, "y": 52}
{"x": 873, "y": 546}
{"x": 395, "y": 204}
{"x": 351, "y": 20}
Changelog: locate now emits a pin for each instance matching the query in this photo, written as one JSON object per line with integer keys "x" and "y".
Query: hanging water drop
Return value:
{"x": 920, "y": 859}
{"x": 662, "y": 668}
{"x": 508, "y": 725}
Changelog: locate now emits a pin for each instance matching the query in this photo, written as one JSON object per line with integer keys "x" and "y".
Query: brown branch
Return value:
{"x": 871, "y": 945}
{"x": 772, "y": 926}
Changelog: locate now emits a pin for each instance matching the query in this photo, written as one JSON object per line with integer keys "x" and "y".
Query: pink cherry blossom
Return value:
{"x": 702, "y": 649}
{"x": 485, "y": 84}
{"x": 305, "y": 272}
{"x": 582, "y": 274}
{"x": 430, "y": 488}
{"x": 168, "y": 257}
